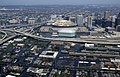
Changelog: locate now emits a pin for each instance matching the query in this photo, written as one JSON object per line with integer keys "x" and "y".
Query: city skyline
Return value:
{"x": 59, "y": 39}
{"x": 56, "y": 2}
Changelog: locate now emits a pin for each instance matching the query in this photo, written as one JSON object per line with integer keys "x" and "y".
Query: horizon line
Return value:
{"x": 52, "y": 4}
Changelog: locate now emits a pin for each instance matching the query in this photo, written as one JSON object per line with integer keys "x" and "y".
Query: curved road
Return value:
{"x": 105, "y": 41}
{"x": 79, "y": 40}
{"x": 5, "y": 35}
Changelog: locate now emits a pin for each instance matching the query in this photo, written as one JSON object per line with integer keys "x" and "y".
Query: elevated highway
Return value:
{"x": 7, "y": 39}
{"x": 77, "y": 40}
{"x": 93, "y": 54}
{"x": 5, "y": 35}
{"x": 16, "y": 33}
{"x": 104, "y": 41}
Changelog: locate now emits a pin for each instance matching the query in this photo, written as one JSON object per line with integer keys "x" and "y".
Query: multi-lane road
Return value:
{"x": 106, "y": 41}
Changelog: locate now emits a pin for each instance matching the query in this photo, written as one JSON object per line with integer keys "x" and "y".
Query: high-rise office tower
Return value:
{"x": 113, "y": 18}
{"x": 118, "y": 28}
{"x": 93, "y": 15}
{"x": 117, "y": 21}
{"x": 106, "y": 15}
{"x": 66, "y": 18}
{"x": 89, "y": 21}
{"x": 73, "y": 19}
{"x": 80, "y": 20}
{"x": 60, "y": 17}
{"x": 53, "y": 17}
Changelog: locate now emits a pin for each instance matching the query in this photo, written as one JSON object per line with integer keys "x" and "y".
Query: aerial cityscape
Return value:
{"x": 60, "y": 40}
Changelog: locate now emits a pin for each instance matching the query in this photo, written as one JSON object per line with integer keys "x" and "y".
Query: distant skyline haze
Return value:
{"x": 57, "y": 2}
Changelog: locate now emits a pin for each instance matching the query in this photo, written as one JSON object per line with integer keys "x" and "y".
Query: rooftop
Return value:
{"x": 64, "y": 23}
{"x": 67, "y": 30}
{"x": 48, "y": 54}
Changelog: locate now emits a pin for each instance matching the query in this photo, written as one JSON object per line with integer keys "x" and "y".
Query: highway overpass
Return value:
{"x": 105, "y": 41}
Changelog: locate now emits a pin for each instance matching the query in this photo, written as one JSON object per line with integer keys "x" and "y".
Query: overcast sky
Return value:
{"x": 60, "y": 2}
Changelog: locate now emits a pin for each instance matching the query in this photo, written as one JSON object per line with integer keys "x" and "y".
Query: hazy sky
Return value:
{"x": 60, "y": 2}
